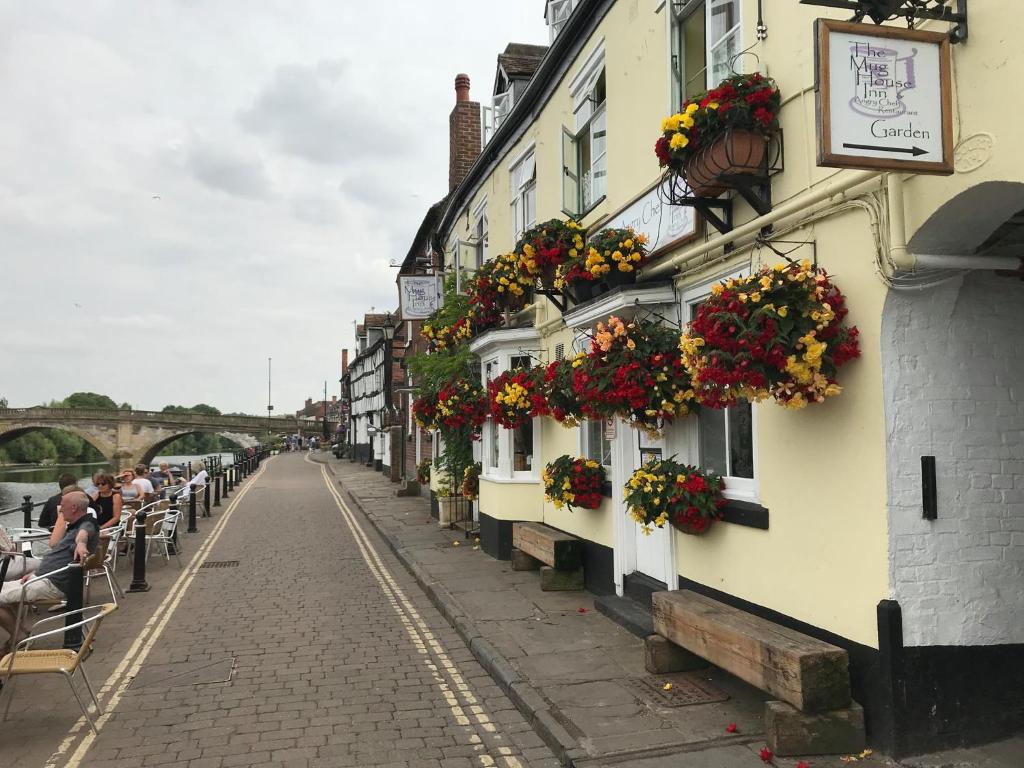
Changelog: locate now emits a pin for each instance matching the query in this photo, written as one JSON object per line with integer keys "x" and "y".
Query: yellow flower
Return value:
{"x": 716, "y": 289}
{"x": 713, "y": 105}
{"x": 679, "y": 141}
{"x": 691, "y": 108}
{"x": 783, "y": 311}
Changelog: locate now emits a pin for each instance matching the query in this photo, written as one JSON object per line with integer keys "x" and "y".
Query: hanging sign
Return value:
{"x": 883, "y": 97}
{"x": 419, "y": 296}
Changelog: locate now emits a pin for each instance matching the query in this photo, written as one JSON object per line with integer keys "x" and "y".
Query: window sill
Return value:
{"x": 511, "y": 480}
{"x": 745, "y": 513}
{"x": 588, "y": 210}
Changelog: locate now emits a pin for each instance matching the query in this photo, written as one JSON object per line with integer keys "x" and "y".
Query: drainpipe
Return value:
{"x": 900, "y": 258}
{"x": 836, "y": 187}
{"x": 970, "y": 261}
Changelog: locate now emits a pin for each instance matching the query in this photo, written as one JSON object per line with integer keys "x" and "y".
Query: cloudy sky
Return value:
{"x": 188, "y": 187}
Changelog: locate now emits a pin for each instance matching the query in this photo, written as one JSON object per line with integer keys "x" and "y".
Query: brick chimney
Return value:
{"x": 344, "y": 362}
{"x": 463, "y": 133}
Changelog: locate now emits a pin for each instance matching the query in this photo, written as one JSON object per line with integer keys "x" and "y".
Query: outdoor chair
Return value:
{"x": 164, "y": 537}
{"x": 24, "y": 660}
{"x": 100, "y": 563}
{"x": 23, "y": 606}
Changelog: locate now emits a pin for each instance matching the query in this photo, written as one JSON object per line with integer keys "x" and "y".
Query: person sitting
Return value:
{"x": 143, "y": 483}
{"x": 198, "y": 481}
{"x": 129, "y": 491}
{"x": 74, "y": 537}
{"x": 106, "y": 502}
{"x": 48, "y": 514}
{"x": 161, "y": 477}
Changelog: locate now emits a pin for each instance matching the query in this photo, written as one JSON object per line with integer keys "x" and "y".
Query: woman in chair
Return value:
{"x": 106, "y": 502}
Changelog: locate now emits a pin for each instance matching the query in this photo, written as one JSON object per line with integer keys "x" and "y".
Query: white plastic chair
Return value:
{"x": 165, "y": 537}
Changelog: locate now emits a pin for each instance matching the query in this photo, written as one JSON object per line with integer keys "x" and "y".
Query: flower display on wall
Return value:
{"x": 634, "y": 371}
{"x": 611, "y": 253}
{"x": 547, "y": 246}
{"x": 517, "y": 396}
{"x": 510, "y": 281}
{"x": 778, "y": 333}
{"x": 424, "y": 410}
{"x": 461, "y": 406}
{"x": 743, "y": 102}
{"x": 573, "y": 482}
{"x": 423, "y": 471}
{"x": 562, "y": 403}
{"x": 665, "y": 491}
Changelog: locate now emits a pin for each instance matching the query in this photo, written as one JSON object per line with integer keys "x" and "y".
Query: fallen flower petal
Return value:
{"x": 803, "y": 764}
{"x": 667, "y": 687}
{"x": 455, "y": 543}
{"x": 730, "y": 728}
{"x": 766, "y": 755}
{"x": 866, "y": 753}
{"x": 581, "y": 609}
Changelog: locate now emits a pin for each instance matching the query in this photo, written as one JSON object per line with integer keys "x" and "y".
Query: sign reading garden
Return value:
{"x": 883, "y": 97}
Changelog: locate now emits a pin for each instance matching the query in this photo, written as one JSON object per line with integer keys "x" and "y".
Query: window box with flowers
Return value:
{"x": 722, "y": 138}
{"x": 610, "y": 259}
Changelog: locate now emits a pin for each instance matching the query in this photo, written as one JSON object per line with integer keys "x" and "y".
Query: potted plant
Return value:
{"x": 778, "y": 333}
{"x": 545, "y": 247}
{"x": 611, "y": 258}
{"x": 721, "y": 133}
{"x": 634, "y": 371}
{"x": 423, "y": 472}
{"x": 471, "y": 481}
{"x": 573, "y": 482}
{"x": 517, "y": 396}
{"x": 665, "y": 491}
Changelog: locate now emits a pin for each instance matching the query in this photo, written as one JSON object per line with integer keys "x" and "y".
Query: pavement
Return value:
{"x": 292, "y": 637}
{"x": 577, "y": 676}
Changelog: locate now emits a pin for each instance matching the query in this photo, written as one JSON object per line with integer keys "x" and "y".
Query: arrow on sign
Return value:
{"x": 915, "y": 151}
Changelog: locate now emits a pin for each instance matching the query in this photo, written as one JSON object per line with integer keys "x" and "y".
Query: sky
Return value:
{"x": 191, "y": 187}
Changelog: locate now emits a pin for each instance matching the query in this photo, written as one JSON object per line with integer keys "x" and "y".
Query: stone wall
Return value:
{"x": 953, "y": 367}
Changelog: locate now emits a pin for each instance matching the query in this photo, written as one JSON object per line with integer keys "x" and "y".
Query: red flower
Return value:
{"x": 766, "y": 755}
{"x": 581, "y": 610}
{"x": 730, "y": 728}
{"x": 803, "y": 764}
{"x": 661, "y": 149}
{"x": 763, "y": 116}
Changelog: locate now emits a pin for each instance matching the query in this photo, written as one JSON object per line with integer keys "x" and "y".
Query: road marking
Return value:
{"x": 422, "y": 638}
{"x": 119, "y": 680}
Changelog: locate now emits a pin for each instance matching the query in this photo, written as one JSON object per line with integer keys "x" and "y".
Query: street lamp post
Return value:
{"x": 270, "y": 408}
{"x": 389, "y": 336}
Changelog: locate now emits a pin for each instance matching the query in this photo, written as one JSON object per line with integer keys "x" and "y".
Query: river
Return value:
{"x": 41, "y": 482}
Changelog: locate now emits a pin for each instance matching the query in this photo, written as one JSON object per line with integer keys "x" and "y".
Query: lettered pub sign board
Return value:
{"x": 883, "y": 96}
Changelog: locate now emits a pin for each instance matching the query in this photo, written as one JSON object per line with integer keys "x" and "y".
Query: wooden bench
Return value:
{"x": 558, "y": 555}
{"x": 807, "y": 673}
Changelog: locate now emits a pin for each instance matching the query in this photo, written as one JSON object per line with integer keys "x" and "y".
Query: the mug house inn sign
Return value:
{"x": 883, "y": 96}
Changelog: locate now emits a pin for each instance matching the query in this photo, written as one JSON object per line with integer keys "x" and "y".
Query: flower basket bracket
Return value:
{"x": 715, "y": 211}
{"x": 912, "y": 10}
{"x": 560, "y": 299}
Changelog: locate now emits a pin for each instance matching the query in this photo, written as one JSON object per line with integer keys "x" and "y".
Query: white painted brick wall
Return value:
{"x": 953, "y": 368}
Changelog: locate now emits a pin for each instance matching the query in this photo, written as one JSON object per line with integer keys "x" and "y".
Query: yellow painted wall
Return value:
{"x": 822, "y": 471}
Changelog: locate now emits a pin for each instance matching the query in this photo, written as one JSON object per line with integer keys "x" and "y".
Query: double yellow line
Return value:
{"x": 118, "y": 681}
{"x": 457, "y": 693}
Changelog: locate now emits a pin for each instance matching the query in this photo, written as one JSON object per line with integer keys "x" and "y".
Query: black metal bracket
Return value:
{"x": 558, "y": 298}
{"x": 880, "y": 11}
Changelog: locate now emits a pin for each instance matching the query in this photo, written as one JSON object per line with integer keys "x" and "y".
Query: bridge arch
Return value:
{"x": 148, "y": 454}
{"x": 106, "y": 448}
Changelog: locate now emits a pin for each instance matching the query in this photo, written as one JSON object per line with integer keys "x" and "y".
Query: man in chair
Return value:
{"x": 79, "y": 540}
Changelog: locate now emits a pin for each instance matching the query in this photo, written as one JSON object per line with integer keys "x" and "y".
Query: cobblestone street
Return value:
{"x": 335, "y": 656}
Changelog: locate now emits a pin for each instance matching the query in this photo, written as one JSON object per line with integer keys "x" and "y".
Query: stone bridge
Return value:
{"x": 127, "y": 437}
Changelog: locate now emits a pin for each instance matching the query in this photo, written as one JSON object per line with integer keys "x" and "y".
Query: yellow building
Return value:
{"x": 824, "y": 529}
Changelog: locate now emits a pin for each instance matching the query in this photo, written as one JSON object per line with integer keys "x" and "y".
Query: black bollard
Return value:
{"x": 192, "y": 511}
{"x": 206, "y": 499}
{"x": 216, "y": 490}
{"x": 26, "y": 511}
{"x": 139, "y": 573}
{"x": 76, "y": 593}
{"x": 173, "y": 509}
{"x": 230, "y": 474}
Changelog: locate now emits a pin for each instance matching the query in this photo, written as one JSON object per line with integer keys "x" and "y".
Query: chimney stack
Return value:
{"x": 344, "y": 362}
{"x": 463, "y": 132}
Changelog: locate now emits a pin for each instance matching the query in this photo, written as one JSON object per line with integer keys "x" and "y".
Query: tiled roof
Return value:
{"x": 520, "y": 59}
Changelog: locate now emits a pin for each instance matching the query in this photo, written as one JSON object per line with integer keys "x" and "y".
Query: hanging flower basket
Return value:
{"x": 562, "y": 403}
{"x": 635, "y": 372}
{"x": 665, "y": 491}
{"x": 423, "y": 471}
{"x": 573, "y": 482}
{"x": 545, "y": 247}
{"x": 721, "y": 134}
{"x": 471, "y": 481}
{"x": 611, "y": 259}
{"x": 424, "y": 410}
{"x": 461, "y": 408}
{"x": 778, "y": 333}
{"x": 517, "y": 396}
{"x": 511, "y": 282}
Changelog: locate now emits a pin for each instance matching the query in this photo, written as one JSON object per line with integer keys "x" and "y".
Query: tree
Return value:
{"x": 89, "y": 400}
{"x": 206, "y": 410}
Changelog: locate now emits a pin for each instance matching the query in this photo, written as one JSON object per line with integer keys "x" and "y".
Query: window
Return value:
{"x": 493, "y": 436}
{"x": 585, "y": 146}
{"x": 688, "y": 51}
{"x": 502, "y": 106}
{"x": 557, "y": 13}
{"x": 725, "y": 438}
{"x": 705, "y": 40}
{"x": 522, "y": 436}
{"x": 596, "y": 443}
{"x": 479, "y": 235}
{"x": 524, "y": 194}
{"x": 723, "y": 38}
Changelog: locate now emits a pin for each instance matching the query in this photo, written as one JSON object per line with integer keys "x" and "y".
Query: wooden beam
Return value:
{"x": 810, "y": 674}
{"x": 552, "y": 547}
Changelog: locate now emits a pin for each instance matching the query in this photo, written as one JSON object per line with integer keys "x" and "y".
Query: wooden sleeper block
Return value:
{"x": 791, "y": 732}
{"x": 524, "y": 562}
{"x": 555, "y": 548}
{"x": 662, "y": 657}
{"x": 808, "y": 673}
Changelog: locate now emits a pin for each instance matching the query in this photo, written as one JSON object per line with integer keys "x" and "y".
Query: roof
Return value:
{"x": 521, "y": 59}
{"x": 424, "y": 236}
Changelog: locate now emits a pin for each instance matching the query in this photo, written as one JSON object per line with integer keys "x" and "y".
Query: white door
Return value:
{"x": 654, "y": 552}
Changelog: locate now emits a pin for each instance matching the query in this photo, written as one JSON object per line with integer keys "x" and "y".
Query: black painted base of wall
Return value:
{"x": 377, "y": 464}
{"x": 496, "y": 537}
{"x": 361, "y": 452}
{"x": 639, "y": 588}
{"x": 385, "y": 469}
{"x": 435, "y": 508}
{"x": 598, "y": 568}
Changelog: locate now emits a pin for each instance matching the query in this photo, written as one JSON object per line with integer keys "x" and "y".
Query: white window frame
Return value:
{"x": 557, "y": 13}
{"x": 736, "y": 30}
{"x": 737, "y": 488}
{"x": 591, "y": 118}
{"x": 523, "y": 189}
{"x": 503, "y": 103}
{"x": 479, "y": 234}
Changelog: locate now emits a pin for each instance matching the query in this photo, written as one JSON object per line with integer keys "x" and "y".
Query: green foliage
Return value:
{"x": 51, "y": 445}
{"x": 199, "y": 443}
{"x": 88, "y": 400}
{"x": 201, "y": 408}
